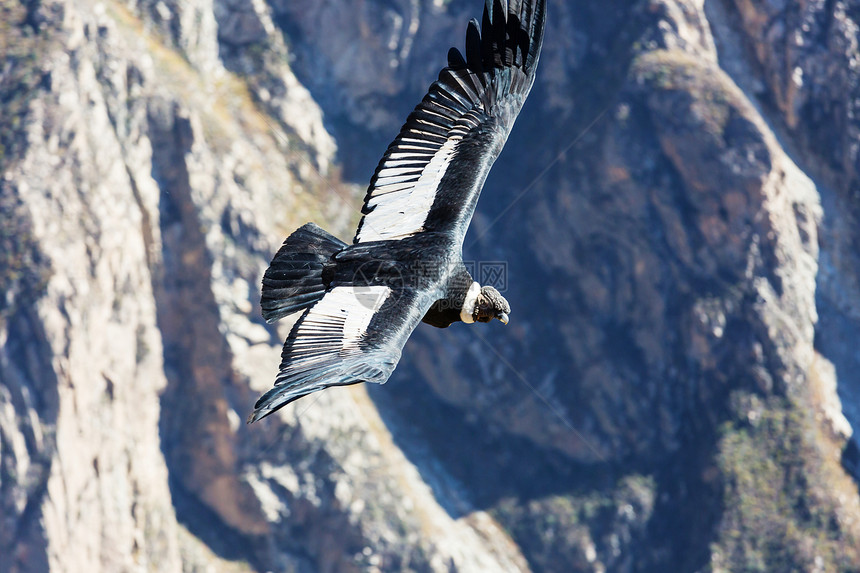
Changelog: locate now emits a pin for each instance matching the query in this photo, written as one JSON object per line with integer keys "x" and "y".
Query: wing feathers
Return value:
{"x": 456, "y": 59}
{"x": 537, "y": 21}
{"x": 481, "y": 92}
{"x": 429, "y": 114}
{"x": 354, "y": 334}
{"x": 474, "y": 53}
{"x": 498, "y": 32}
{"x": 463, "y": 80}
{"x": 487, "y": 37}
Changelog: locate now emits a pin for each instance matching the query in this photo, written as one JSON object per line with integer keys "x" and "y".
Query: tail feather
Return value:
{"x": 294, "y": 279}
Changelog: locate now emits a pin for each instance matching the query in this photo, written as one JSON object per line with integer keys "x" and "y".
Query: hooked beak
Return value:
{"x": 503, "y": 318}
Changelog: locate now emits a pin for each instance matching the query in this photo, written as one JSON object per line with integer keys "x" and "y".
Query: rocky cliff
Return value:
{"x": 676, "y": 210}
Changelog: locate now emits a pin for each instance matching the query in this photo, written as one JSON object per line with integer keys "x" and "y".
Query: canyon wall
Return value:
{"x": 675, "y": 212}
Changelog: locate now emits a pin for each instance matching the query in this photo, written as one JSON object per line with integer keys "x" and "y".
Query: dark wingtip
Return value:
{"x": 455, "y": 59}
{"x": 264, "y": 408}
{"x": 511, "y": 34}
{"x": 266, "y": 404}
{"x": 259, "y": 414}
{"x": 473, "y": 48}
{"x": 536, "y": 32}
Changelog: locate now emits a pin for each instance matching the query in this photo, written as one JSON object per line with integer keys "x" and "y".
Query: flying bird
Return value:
{"x": 362, "y": 301}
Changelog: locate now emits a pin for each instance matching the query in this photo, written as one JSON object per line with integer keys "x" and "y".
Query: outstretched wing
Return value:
{"x": 353, "y": 334}
{"x": 431, "y": 175}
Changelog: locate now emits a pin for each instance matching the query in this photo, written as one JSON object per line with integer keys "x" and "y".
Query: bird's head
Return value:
{"x": 489, "y": 305}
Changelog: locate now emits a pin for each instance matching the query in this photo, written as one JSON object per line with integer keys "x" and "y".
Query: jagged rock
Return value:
{"x": 808, "y": 54}
{"x": 664, "y": 398}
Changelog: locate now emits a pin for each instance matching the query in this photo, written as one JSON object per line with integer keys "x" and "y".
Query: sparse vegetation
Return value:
{"x": 23, "y": 272}
{"x": 780, "y": 510}
{"x": 714, "y": 93}
{"x": 580, "y": 530}
{"x": 20, "y": 47}
{"x": 197, "y": 557}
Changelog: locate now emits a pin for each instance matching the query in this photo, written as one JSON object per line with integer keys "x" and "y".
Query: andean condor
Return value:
{"x": 362, "y": 301}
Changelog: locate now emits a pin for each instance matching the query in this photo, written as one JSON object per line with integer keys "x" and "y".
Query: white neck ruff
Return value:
{"x": 468, "y": 311}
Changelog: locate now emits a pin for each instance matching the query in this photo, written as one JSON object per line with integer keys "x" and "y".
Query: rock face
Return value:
{"x": 676, "y": 212}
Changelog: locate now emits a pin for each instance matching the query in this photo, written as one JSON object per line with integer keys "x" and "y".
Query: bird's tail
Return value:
{"x": 294, "y": 280}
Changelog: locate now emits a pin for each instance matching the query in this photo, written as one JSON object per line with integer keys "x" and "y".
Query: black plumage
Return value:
{"x": 362, "y": 301}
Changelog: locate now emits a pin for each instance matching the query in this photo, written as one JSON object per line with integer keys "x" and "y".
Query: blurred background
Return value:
{"x": 677, "y": 212}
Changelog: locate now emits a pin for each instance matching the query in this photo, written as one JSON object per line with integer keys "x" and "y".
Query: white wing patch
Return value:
{"x": 403, "y": 196}
{"x": 338, "y": 322}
